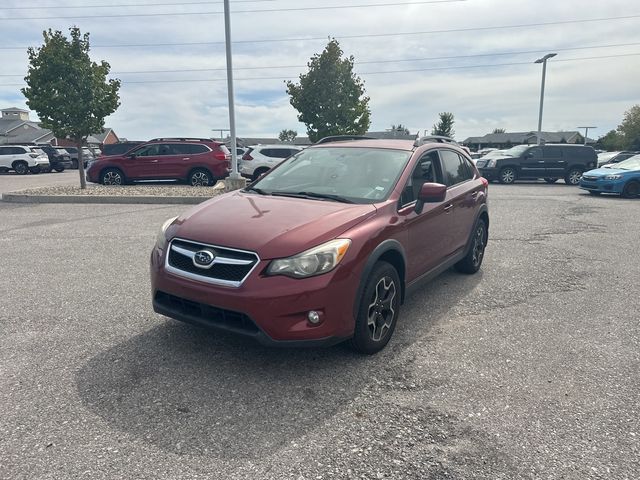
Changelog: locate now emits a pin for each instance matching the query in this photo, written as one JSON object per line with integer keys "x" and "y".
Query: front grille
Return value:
{"x": 481, "y": 163}
{"x": 230, "y": 266}
{"x": 207, "y": 314}
{"x": 589, "y": 178}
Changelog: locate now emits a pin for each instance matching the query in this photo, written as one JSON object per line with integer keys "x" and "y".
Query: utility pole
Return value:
{"x": 235, "y": 180}
{"x": 221, "y": 130}
{"x": 586, "y": 132}
{"x": 543, "y": 61}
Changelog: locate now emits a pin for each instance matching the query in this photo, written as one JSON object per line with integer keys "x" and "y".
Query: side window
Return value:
{"x": 148, "y": 151}
{"x": 423, "y": 172}
{"x": 3, "y": 151}
{"x": 552, "y": 153}
{"x": 283, "y": 152}
{"x": 195, "y": 149}
{"x": 535, "y": 153}
{"x": 268, "y": 152}
{"x": 454, "y": 170}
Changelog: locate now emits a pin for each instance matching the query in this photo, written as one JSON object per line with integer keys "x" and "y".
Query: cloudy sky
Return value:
{"x": 473, "y": 58}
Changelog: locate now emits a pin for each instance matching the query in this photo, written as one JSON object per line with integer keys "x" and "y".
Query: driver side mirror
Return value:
{"x": 430, "y": 193}
{"x": 132, "y": 156}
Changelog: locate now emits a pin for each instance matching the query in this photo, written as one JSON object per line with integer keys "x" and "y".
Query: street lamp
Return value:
{"x": 586, "y": 132}
{"x": 543, "y": 61}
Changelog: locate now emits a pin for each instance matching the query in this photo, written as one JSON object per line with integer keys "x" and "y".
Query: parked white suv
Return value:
{"x": 22, "y": 159}
{"x": 259, "y": 159}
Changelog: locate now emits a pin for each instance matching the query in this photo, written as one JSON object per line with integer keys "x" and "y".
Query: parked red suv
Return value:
{"x": 197, "y": 161}
{"x": 324, "y": 247}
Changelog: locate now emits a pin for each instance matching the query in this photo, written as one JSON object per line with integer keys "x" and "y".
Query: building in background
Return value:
{"x": 509, "y": 139}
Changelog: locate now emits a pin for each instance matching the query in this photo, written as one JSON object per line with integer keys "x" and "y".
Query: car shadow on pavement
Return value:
{"x": 191, "y": 391}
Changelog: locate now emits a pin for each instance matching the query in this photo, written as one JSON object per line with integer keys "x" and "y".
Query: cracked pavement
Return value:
{"x": 528, "y": 369}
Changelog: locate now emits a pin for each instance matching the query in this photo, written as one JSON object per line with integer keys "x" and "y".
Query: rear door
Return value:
{"x": 532, "y": 164}
{"x": 554, "y": 161}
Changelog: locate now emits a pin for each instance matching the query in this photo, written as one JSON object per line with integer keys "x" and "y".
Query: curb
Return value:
{"x": 138, "y": 199}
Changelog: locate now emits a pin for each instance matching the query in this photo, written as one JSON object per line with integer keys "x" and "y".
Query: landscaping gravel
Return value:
{"x": 153, "y": 190}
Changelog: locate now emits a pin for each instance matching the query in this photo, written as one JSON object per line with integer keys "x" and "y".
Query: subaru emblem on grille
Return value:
{"x": 203, "y": 258}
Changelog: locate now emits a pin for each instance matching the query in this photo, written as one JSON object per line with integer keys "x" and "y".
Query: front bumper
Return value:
{"x": 271, "y": 310}
{"x": 489, "y": 173}
{"x": 601, "y": 185}
{"x": 43, "y": 163}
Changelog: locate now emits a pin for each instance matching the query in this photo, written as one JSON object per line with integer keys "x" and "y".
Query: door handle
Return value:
{"x": 448, "y": 207}
{"x": 474, "y": 194}
{"x": 154, "y": 161}
{"x": 540, "y": 161}
{"x": 186, "y": 158}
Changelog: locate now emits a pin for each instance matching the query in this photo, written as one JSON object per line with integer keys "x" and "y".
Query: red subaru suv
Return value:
{"x": 325, "y": 246}
{"x": 197, "y": 161}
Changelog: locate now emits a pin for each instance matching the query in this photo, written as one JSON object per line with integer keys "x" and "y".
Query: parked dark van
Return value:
{"x": 550, "y": 161}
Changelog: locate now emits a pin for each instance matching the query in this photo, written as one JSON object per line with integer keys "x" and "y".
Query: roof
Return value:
{"x": 375, "y": 143}
{"x": 100, "y": 137}
{"x": 392, "y": 134}
{"x": 15, "y": 109}
{"x": 28, "y": 136}
{"x": 524, "y": 137}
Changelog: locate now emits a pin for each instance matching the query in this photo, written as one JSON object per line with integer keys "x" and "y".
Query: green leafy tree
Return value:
{"x": 445, "y": 125}
{"x": 400, "y": 129}
{"x": 499, "y": 130}
{"x": 629, "y": 129}
{"x": 612, "y": 141}
{"x": 69, "y": 92}
{"x": 287, "y": 135}
{"x": 330, "y": 98}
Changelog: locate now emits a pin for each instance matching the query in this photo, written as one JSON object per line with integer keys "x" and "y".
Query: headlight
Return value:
{"x": 490, "y": 164}
{"x": 612, "y": 177}
{"x": 315, "y": 261}
{"x": 161, "y": 239}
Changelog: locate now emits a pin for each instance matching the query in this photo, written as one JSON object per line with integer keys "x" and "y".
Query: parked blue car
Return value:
{"x": 622, "y": 178}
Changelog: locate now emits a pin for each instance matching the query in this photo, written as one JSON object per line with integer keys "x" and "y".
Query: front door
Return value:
{"x": 142, "y": 163}
{"x": 554, "y": 162}
{"x": 532, "y": 164}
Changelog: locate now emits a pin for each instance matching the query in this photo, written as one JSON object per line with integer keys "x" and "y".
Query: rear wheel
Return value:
{"x": 378, "y": 310}
{"x": 507, "y": 175}
{"x": 59, "y": 168}
{"x": 35, "y": 169}
{"x": 473, "y": 260}
{"x": 112, "y": 176}
{"x": 573, "y": 176}
{"x": 550, "y": 180}
{"x": 631, "y": 189}
{"x": 74, "y": 163}
{"x": 259, "y": 172}
{"x": 21, "y": 167}
{"x": 200, "y": 178}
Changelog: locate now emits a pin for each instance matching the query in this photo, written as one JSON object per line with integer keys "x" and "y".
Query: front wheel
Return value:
{"x": 473, "y": 259}
{"x": 573, "y": 176}
{"x": 550, "y": 180}
{"x": 59, "y": 168}
{"x": 631, "y": 189}
{"x": 378, "y": 310}
{"x": 507, "y": 175}
{"x": 112, "y": 176}
{"x": 35, "y": 169}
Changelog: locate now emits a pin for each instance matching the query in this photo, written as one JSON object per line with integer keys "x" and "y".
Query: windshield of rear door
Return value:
{"x": 359, "y": 175}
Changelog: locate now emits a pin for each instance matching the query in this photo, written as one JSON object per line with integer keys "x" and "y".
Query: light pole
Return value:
{"x": 543, "y": 61}
{"x": 235, "y": 180}
{"x": 586, "y": 132}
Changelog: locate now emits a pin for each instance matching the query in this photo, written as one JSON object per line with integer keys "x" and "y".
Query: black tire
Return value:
{"x": 200, "y": 177}
{"x": 631, "y": 189}
{"x": 507, "y": 175}
{"x": 112, "y": 176}
{"x": 35, "y": 170}
{"x": 472, "y": 261}
{"x": 21, "y": 167}
{"x": 378, "y": 310}
{"x": 59, "y": 168}
{"x": 74, "y": 163}
{"x": 550, "y": 180}
{"x": 594, "y": 192}
{"x": 573, "y": 176}
{"x": 259, "y": 172}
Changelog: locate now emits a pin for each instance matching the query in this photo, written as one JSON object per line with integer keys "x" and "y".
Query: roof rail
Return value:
{"x": 342, "y": 138}
{"x": 182, "y": 139}
{"x": 434, "y": 139}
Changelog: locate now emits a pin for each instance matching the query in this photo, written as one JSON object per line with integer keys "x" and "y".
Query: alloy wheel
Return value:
{"x": 381, "y": 312}
{"x": 478, "y": 246}
{"x": 112, "y": 178}
{"x": 199, "y": 179}
{"x": 574, "y": 177}
{"x": 508, "y": 176}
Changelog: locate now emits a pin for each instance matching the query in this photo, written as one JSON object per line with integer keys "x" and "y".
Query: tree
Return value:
{"x": 612, "y": 141}
{"x": 287, "y": 135}
{"x": 444, "y": 126}
{"x": 401, "y": 129}
{"x": 499, "y": 130}
{"x": 629, "y": 129}
{"x": 69, "y": 92}
{"x": 330, "y": 98}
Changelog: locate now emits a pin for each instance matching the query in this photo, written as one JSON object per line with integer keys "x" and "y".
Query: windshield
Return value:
{"x": 358, "y": 175}
{"x": 515, "y": 151}
{"x": 632, "y": 163}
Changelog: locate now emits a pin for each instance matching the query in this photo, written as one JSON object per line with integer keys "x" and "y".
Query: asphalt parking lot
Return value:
{"x": 528, "y": 369}
{"x": 10, "y": 181}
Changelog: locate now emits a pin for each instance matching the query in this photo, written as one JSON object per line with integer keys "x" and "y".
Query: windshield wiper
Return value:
{"x": 320, "y": 196}
{"x": 255, "y": 189}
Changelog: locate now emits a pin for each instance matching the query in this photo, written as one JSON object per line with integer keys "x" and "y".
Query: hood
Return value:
{"x": 271, "y": 226}
{"x": 600, "y": 172}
